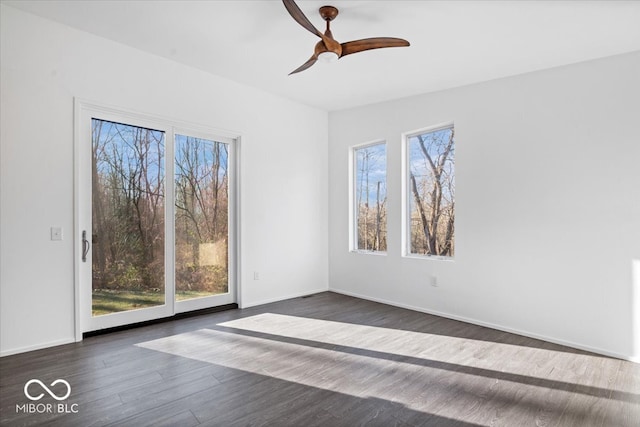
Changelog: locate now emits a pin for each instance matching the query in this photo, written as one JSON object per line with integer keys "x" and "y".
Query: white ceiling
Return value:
{"x": 453, "y": 43}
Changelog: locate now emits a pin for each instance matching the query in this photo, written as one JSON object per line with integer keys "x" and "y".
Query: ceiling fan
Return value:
{"x": 328, "y": 47}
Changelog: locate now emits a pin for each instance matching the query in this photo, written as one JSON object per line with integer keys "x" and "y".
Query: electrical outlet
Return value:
{"x": 56, "y": 233}
{"x": 434, "y": 281}
{"x": 256, "y": 275}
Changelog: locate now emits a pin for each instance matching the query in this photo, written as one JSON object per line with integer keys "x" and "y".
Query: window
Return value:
{"x": 431, "y": 192}
{"x": 370, "y": 197}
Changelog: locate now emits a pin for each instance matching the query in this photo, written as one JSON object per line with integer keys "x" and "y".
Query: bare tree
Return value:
{"x": 371, "y": 183}
{"x": 201, "y": 213}
{"x": 128, "y": 206}
{"x": 433, "y": 193}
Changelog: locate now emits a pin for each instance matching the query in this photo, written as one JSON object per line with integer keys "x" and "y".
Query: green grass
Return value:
{"x": 183, "y": 295}
{"x": 108, "y": 301}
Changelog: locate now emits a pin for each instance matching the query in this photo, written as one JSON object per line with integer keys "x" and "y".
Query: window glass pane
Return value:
{"x": 201, "y": 219}
{"x": 127, "y": 217}
{"x": 431, "y": 195}
{"x": 371, "y": 197}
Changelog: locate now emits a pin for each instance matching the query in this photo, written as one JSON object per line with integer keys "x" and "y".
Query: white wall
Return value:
{"x": 44, "y": 66}
{"x": 547, "y": 205}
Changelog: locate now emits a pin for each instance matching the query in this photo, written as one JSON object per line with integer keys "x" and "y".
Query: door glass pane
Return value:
{"x": 128, "y": 180}
{"x": 201, "y": 217}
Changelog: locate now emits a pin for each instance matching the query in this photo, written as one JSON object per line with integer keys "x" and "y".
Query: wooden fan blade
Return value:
{"x": 356, "y": 46}
{"x": 306, "y": 65}
{"x": 299, "y": 17}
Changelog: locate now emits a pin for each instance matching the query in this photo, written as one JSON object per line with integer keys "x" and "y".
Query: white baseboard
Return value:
{"x": 284, "y": 297}
{"x": 36, "y": 347}
{"x": 492, "y": 326}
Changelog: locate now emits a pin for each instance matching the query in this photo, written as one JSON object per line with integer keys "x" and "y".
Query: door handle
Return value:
{"x": 85, "y": 246}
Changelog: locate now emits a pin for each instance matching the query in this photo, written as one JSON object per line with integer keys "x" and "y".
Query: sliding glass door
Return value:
{"x": 155, "y": 219}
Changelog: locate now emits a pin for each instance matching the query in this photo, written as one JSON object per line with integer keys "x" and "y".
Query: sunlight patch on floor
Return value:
{"x": 412, "y": 386}
{"x": 444, "y": 348}
{"x": 383, "y": 363}
{"x": 324, "y": 368}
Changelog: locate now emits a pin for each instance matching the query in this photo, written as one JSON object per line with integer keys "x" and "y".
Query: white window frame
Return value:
{"x": 353, "y": 209}
{"x": 407, "y": 195}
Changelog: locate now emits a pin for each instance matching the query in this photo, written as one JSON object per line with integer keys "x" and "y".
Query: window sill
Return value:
{"x": 429, "y": 257}
{"x": 378, "y": 253}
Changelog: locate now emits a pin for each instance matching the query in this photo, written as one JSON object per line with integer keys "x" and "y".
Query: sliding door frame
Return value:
{"x": 84, "y": 111}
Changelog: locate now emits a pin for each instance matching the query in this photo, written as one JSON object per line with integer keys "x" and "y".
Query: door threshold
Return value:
{"x": 176, "y": 316}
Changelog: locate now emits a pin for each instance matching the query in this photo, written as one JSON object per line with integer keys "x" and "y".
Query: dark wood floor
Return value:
{"x": 326, "y": 360}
